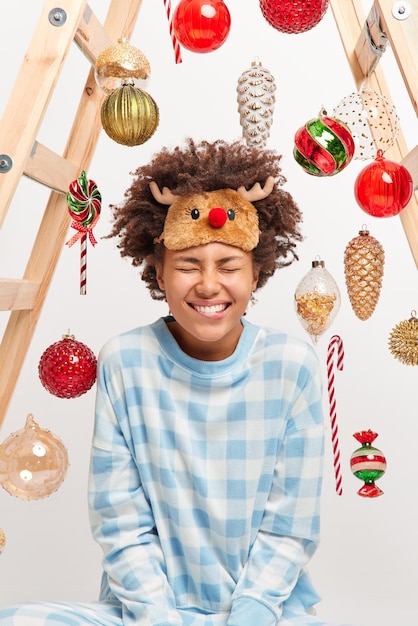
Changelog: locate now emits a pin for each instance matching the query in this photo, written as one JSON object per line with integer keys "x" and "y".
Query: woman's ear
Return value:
{"x": 159, "y": 276}
{"x": 256, "y": 275}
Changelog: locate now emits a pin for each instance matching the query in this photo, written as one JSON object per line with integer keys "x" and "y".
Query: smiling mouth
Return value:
{"x": 210, "y": 310}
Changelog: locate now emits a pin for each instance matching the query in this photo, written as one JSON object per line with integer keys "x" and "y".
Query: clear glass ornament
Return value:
{"x": 372, "y": 119}
{"x": 33, "y": 462}
{"x": 317, "y": 300}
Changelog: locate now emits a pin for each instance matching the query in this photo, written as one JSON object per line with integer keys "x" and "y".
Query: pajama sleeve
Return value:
{"x": 121, "y": 517}
{"x": 289, "y": 532}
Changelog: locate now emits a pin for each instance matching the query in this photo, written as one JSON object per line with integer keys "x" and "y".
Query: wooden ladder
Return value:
{"x": 21, "y": 154}
{"x": 59, "y": 26}
{"x": 356, "y": 32}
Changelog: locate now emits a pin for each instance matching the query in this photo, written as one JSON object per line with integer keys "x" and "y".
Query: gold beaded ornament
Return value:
{"x": 403, "y": 341}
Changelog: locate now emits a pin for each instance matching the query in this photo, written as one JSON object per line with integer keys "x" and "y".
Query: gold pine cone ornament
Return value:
{"x": 403, "y": 341}
{"x": 364, "y": 260}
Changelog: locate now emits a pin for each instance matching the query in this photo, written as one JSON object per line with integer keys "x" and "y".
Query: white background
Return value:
{"x": 365, "y": 569}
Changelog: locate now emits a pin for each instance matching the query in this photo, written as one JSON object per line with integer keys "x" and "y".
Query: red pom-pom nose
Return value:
{"x": 217, "y": 217}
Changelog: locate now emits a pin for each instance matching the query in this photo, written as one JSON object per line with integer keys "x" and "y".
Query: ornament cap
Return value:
{"x": 30, "y": 422}
{"x": 365, "y": 436}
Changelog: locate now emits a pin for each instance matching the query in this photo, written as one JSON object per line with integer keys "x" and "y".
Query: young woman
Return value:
{"x": 207, "y": 451}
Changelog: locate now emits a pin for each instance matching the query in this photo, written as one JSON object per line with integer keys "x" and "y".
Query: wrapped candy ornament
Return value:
{"x": 364, "y": 260}
{"x": 256, "y": 88}
{"x": 368, "y": 464}
{"x": 403, "y": 341}
{"x": 67, "y": 368}
{"x": 317, "y": 300}
{"x": 324, "y": 146}
{"x": 33, "y": 462}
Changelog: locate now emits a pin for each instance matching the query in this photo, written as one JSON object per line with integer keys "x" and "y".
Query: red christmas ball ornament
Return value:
{"x": 384, "y": 187}
{"x": 293, "y": 16}
{"x": 67, "y": 368}
{"x": 201, "y": 25}
{"x": 323, "y": 146}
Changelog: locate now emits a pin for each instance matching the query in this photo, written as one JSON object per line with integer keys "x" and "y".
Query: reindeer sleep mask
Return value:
{"x": 224, "y": 216}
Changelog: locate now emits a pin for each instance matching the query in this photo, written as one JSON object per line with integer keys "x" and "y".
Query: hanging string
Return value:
{"x": 174, "y": 41}
{"x": 335, "y": 341}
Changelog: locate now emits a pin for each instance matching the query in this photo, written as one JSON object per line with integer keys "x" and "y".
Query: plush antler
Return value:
{"x": 166, "y": 197}
{"x": 257, "y": 192}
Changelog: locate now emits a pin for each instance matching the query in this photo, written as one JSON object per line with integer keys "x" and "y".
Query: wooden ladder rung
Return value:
{"x": 17, "y": 294}
{"x": 91, "y": 36}
{"x": 50, "y": 169}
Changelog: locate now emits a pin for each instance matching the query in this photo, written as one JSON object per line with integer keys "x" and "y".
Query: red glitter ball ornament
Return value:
{"x": 67, "y": 368}
{"x": 293, "y": 16}
{"x": 384, "y": 187}
{"x": 201, "y": 25}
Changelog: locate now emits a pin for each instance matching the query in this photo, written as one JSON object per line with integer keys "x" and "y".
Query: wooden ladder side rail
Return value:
{"x": 32, "y": 92}
{"x": 52, "y": 233}
{"x": 350, "y": 20}
{"x": 403, "y": 38}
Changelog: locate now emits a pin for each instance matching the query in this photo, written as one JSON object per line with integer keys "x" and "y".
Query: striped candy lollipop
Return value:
{"x": 84, "y": 205}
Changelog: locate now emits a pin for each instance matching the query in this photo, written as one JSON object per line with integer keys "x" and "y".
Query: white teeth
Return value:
{"x": 209, "y": 310}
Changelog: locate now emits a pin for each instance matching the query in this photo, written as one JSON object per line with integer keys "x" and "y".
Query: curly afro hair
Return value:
{"x": 196, "y": 168}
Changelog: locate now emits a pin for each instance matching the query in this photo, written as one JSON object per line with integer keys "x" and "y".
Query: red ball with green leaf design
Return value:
{"x": 324, "y": 146}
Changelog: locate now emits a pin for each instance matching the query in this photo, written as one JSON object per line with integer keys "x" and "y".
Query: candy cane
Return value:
{"x": 174, "y": 41}
{"x": 335, "y": 341}
{"x": 83, "y": 265}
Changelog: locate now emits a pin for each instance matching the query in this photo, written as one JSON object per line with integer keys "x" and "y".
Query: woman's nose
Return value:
{"x": 208, "y": 283}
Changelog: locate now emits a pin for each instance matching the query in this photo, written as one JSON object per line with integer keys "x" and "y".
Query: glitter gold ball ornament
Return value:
{"x": 67, "y": 368}
{"x": 33, "y": 462}
{"x": 403, "y": 341}
{"x": 364, "y": 260}
{"x": 118, "y": 63}
{"x": 2, "y": 540}
{"x": 368, "y": 464}
{"x": 317, "y": 300}
{"x": 256, "y": 87}
{"x": 129, "y": 115}
{"x": 372, "y": 120}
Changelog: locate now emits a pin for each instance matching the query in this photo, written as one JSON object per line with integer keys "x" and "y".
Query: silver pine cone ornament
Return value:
{"x": 256, "y": 88}
{"x": 364, "y": 260}
{"x": 403, "y": 341}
